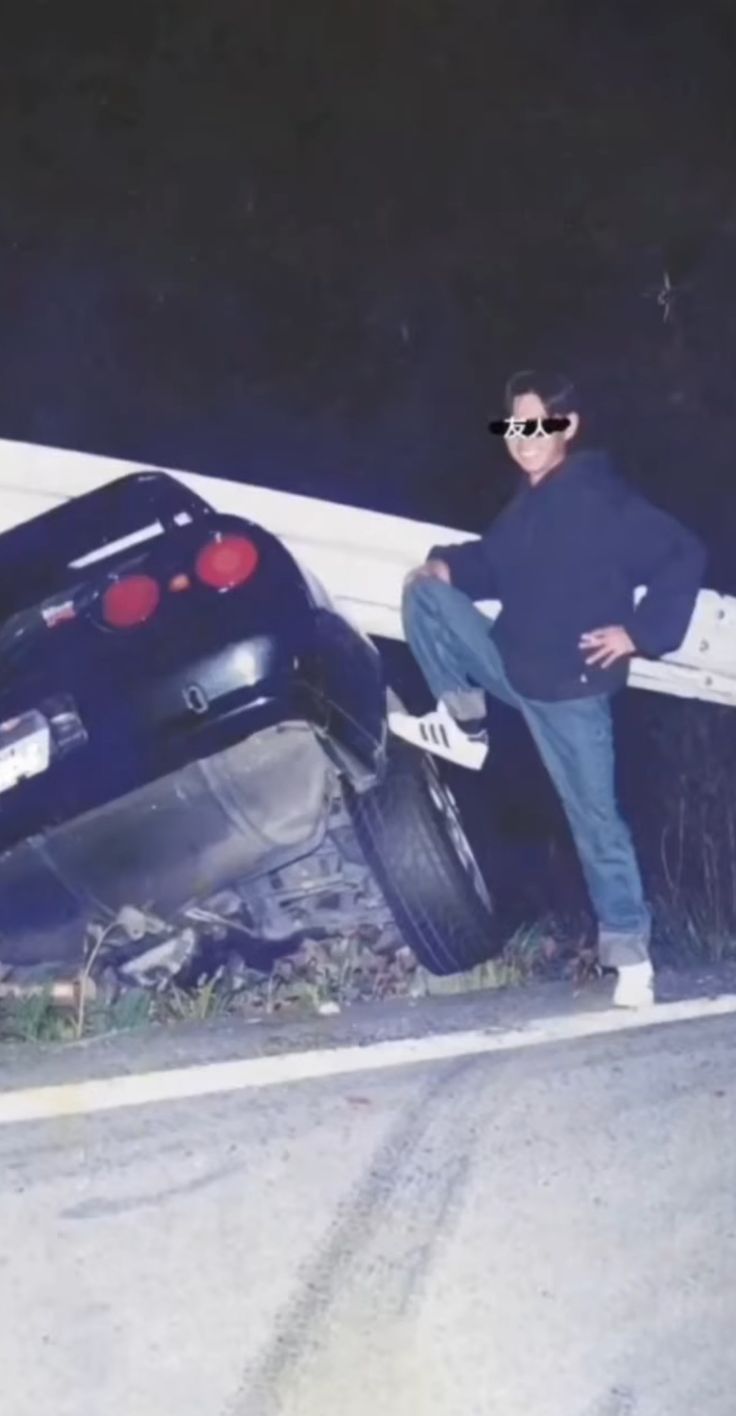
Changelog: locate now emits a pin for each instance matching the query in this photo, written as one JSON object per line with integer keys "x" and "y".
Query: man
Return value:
{"x": 564, "y": 558}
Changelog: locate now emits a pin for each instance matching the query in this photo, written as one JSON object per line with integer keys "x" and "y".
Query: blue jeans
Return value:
{"x": 453, "y": 644}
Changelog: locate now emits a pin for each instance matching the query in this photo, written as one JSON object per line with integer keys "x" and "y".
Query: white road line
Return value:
{"x": 208, "y": 1079}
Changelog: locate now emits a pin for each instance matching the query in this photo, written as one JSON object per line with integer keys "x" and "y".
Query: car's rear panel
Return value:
{"x": 177, "y": 667}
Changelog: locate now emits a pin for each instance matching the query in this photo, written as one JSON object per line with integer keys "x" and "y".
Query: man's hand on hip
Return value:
{"x": 431, "y": 570}
{"x": 608, "y": 645}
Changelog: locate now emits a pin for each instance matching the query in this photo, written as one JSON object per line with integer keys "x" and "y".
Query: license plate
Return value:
{"x": 25, "y": 749}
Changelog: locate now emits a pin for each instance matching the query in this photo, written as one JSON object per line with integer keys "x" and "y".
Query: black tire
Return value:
{"x": 440, "y": 903}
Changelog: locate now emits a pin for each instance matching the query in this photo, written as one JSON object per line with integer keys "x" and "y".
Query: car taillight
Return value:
{"x": 131, "y": 601}
{"x": 227, "y": 562}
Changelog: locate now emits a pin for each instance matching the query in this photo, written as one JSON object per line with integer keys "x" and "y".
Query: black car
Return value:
{"x": 194, "y": 751}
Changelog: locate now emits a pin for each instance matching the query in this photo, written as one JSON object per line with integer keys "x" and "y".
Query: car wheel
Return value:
{"x": 410, "y": 831}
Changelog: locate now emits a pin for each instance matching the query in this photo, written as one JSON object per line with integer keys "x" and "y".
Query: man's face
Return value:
{"x": 539, "y": 455}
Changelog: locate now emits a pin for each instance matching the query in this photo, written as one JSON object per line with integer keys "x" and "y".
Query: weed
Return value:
{"x": 36, "y": 1018}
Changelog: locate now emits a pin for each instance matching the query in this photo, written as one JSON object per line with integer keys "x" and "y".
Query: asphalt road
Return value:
{"x": 549, "y": 1233}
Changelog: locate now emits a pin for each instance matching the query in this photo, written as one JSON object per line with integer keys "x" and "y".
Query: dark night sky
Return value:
{"x": 304, "y": 245}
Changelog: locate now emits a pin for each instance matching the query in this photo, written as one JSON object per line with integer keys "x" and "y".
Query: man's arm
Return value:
{"x": 670, "y": 561}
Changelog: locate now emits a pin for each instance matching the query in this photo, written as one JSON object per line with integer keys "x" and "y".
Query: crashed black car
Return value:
{"x": 194, "y": 752}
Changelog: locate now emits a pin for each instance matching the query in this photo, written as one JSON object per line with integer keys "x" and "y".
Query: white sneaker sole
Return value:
{"x": 437, "y": 733}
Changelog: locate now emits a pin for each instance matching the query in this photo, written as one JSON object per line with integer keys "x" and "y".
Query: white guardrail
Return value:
{"x": 360, "y": 556}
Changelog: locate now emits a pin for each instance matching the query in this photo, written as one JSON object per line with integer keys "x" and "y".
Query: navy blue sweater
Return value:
{"x": 564, "y": 557}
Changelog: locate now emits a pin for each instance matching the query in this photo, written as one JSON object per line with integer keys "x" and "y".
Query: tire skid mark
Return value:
{"x": 401, "y": 1178}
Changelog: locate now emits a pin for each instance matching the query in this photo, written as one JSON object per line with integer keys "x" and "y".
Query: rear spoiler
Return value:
{"x": 39, "y": 554}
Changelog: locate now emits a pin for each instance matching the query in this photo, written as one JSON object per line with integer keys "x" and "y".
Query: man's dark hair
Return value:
{"x": 555, "y": 390}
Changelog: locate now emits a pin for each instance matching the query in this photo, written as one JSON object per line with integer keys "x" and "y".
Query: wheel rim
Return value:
{"x": 450, "y": 812}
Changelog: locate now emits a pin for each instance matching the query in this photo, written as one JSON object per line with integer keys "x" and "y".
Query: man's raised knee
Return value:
{"x": 425, "y": 587}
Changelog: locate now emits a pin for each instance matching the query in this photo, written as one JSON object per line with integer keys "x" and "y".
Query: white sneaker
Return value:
{"x": 635, "y": 986}
{"x": 438, "y": 732}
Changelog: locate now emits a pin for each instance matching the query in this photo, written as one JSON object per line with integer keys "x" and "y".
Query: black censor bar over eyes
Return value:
{"x": 528, "y": 427}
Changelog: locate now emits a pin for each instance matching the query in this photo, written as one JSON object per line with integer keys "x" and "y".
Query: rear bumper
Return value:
{"x": 129, "y": 748}
{"x": 244, "y": 811}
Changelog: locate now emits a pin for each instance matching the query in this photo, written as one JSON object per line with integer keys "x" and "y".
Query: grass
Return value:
{"x": 321, "y": 977}
{"x": 39, "y": 1017}
{"x": 333, "y": 975}
{"x": 693, "y": 935}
